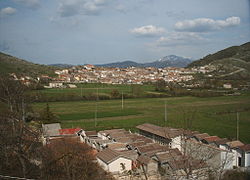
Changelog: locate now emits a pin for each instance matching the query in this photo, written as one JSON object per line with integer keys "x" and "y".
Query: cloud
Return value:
{"x": 33, "y": 4}
{"x": 206, "y": 24}
{"x": 69, "y": 8}
{"x": 7, "y": 11}
{"x": 180, "y": 39}
{"x": 148, "y": 31}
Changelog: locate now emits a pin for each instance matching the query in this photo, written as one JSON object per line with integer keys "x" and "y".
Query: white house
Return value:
{"x": 162, "y": 135}
{"x": 149, "y": 165}
{"x": 233, "y": 146}
{"x": 246, "y": 155}
{"x": 215, "y": 157}
{"x": 227, "y": 86}
{"x": 72, "y": 86}
{"x": 114, "y": 161}
{"x": 55, "y": 84}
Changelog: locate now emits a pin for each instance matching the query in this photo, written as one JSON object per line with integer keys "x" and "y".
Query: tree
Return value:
{"x": 66, "y": 158}
{"x": 19, "y": 147}
{"x": 137, "y": 90}
{"x": 22, "y": 153}
{"x": 160, "y": 85}
{"x": 115, "y": 93}
{"x": 46, "y": 116}
{"x": 12, "y": 93}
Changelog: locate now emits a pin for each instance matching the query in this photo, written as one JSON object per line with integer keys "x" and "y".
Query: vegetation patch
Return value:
{"x": 100, "y": 114}
{"x": 201, "y": 114}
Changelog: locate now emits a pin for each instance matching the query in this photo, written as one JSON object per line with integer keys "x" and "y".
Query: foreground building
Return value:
{"x": 113, "y": 161}
{"x": 157, "y": 152}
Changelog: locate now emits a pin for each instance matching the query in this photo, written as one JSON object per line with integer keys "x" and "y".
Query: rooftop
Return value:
{"x": 108, "y": 155}
{"x": 144, "y": 159}
{"x": 116, "y": 146}
{"x": 201, "y": 136}
{"x": 70, "y": 131}
{"x": 91, "y": 133}
{"x": 168, "y": 155}
{"x": 234, "y": 144}
{"x": 51, "y": 129}
{"x": 245, "y": 147}
{"x": 165, "y": 132}
{"x": 210, "y": 139}
{"x": 152, "y": 148}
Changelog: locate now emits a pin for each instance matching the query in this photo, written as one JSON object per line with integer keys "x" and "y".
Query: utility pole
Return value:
{"x": 97, "y": 94}
{"x": 122, "y": 99}
{"x": 95, "y": 113}
{"x": 81, "y": 90}
{"x": 165, "y": 121}
{"x": 97, "y": 98}
{"x": 237, "y": 125}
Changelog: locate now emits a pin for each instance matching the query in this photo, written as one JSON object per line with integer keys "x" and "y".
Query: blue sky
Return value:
{"x": 102, "y": 31}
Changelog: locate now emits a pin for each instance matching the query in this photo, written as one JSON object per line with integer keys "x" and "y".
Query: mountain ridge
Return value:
{"x": 230, "y": 63}
{"x": 230, "y": 52}
{"x": 166, "y": 61}
{"x": 11, "y": 64}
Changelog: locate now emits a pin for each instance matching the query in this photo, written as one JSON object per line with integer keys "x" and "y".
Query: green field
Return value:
{"x": 87, "y": 88}
{"x": 93, "y": 91}
{"x": 214, "y": 115}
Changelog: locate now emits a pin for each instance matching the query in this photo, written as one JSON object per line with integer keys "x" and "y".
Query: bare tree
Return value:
{"x": 19, "y": 147}
{"x": 66, "y": 158}
{"x": 12, "y": 93}
{"x": 21, "y": 150}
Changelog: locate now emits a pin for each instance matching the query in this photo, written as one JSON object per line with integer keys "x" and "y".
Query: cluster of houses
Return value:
{"x": 154, "y": 152}
{"x": 130, "y": 75}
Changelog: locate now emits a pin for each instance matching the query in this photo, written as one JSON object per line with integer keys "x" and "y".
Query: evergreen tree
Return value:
{"x": 47, "y": 116}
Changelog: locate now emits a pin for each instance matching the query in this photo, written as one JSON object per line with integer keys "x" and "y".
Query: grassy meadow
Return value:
{"x": 214, "y": 115}
{"x": 86, "y": 89}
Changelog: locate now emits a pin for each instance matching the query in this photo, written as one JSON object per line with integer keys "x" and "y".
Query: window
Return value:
{"x": 123, "y": 167}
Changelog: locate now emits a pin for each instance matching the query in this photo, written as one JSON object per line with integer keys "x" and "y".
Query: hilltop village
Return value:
{"x": 131, "y": 75}
{"x": 155, "y": 152}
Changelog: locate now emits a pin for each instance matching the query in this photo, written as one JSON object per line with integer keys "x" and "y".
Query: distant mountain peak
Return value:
{"x": 167, "y": 61}
{"x": 171, "y": 58}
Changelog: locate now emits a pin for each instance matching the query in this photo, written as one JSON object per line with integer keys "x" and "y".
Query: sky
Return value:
{"x": 105, "y": 31}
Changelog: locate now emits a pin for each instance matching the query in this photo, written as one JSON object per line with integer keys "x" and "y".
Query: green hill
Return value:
{"x": 230, "y": 63}
{"x": 10, "y": 64}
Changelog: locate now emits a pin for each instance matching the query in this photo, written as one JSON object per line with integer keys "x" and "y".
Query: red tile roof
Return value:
{"x": 245, "y": 147}
{"x": 201, "y": 136}
{"x": 212, "y": 139}
{"x": 70, "y": 131}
